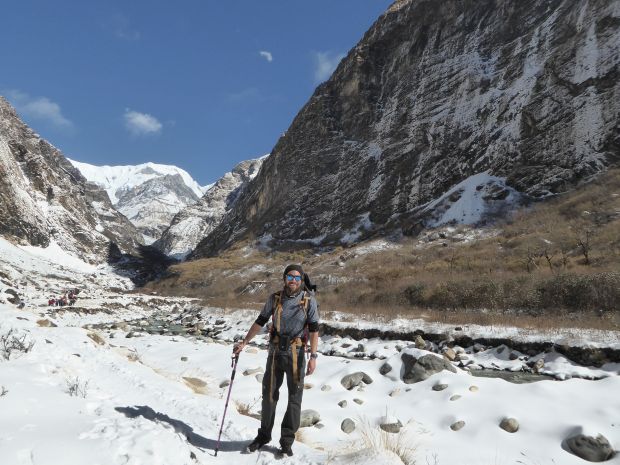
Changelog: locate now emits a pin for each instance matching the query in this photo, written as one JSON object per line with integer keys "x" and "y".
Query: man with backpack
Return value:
{"x": 295, "y": 321}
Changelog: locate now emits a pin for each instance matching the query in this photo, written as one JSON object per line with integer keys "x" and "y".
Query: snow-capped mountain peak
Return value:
{"x": 149, "y": 195}
{"x": 115, "y": 179}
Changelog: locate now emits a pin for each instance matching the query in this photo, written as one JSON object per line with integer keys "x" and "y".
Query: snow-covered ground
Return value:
{"x": 95, "y": 396}
{"x": 157, "y": 399}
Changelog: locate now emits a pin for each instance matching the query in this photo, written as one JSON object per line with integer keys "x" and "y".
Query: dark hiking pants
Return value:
{"x": 283, "y": 366}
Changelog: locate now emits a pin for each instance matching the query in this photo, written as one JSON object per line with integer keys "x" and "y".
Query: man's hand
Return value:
{"x": 311, "y": 366}
{"x": 238, "y": 348}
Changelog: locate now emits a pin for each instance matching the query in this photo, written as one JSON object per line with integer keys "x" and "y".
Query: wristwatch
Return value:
{"x": 314, "y": 355}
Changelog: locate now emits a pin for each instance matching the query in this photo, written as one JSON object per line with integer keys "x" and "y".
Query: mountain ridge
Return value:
{"x": 45, "y": 200}
{"x": 196, "y": 221}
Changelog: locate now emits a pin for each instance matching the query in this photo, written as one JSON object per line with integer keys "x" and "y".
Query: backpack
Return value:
{"x": 276, "y": 314}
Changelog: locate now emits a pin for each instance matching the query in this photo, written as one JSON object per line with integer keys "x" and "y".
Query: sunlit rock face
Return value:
{"x": 521, "y": 96}
{"x": 196, "y": 221}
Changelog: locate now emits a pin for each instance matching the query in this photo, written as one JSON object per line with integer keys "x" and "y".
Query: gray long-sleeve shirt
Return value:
{"x": 293, "y": 316}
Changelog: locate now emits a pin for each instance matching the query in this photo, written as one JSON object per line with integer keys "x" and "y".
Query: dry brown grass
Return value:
{"x": 245, "y": 408}
{"x": 376, "y": 439}
{"x": 532, "y": 272}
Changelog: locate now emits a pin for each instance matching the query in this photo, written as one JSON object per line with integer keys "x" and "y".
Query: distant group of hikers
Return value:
{"x": 68, "y": 298}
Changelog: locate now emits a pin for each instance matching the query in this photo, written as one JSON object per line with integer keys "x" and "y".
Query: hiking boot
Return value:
{"x": 256, "y": 444}
{"x": 285, "y": 449}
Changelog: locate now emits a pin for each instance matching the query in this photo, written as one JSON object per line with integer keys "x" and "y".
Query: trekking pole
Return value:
{"x": 233, "y": 363}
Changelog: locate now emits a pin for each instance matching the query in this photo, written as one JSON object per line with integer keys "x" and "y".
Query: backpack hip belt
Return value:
{"x": 295, "y": 344}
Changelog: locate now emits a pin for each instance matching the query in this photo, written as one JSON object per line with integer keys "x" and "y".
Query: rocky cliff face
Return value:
{"x": 151, "y": 206}
{"x": 524, "y": 94}
{"x": 44, "y": 199}
{"x": 195, "y": 222}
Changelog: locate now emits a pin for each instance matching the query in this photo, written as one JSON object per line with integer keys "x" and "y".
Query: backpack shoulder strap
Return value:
{"x": 277, "y": 311}
{"x": 305, "y": 303}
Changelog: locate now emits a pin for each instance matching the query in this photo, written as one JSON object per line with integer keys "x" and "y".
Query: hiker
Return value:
{"x": 295, "y": 319}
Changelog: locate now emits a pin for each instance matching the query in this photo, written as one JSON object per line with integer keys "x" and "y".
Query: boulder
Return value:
{"x": 385, "y": 368}
{"x": 510, "y": 425}
{"x": 419, "y": 342}
{"x": 347, "y": 426}
{"x": 14, "y": 297}
{"x": 418, "y": 369}
{"x": 342, "y": 403}
{"x": 326, "y": 388}
{"x": 450, "y": 354}
{"x": 592, "y": 449}
{"x": 309, "y": 418}
{"x": 439, "y": 387}
{"x": 355, "y": 379}
{"x": 539, "y": 365}
{"x": 457, "y": 425}
{"x": 359, "y": 348}
{"x": 253, "y": 371}
{"x": 391, "y": 427}
{"x": 96, "y": 338}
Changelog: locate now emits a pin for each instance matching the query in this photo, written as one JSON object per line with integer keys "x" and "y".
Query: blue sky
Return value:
{"x": 200, "y": 84}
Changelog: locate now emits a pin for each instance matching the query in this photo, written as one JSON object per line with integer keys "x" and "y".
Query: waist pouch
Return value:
{"x": 284, "y": 343}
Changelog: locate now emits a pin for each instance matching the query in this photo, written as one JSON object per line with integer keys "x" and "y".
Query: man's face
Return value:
{"x": 292, "y": 281}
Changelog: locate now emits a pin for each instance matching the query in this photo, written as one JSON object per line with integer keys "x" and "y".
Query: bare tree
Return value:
{"x": 530, "y": 262}
{"x": 564, "y": 250}
{"x": 548, "y": 258}
{"x": 452, "y": 260}
{"x": 584, "y": 244}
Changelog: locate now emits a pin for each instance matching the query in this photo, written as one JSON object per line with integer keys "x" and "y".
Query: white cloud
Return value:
{"x": 325, "y": 64}
{"x": 38, "y": 108}
{"x": 121, "y": 27}
{"x": 141, "y": 124}
{"x": 267, "y": 55}
{"x": 249, "y": 93}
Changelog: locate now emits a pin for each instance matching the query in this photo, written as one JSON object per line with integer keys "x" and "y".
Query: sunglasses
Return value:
{"x": 290, "y": 277}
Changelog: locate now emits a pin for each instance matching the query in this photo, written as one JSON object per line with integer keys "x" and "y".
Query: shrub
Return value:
{"x": 11, "y": 342}
{"x": 415, "y": 294}
{"x": 77, "y": 387}
{"x": 600, "y": 291}
{"x": 378, "y": 440}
